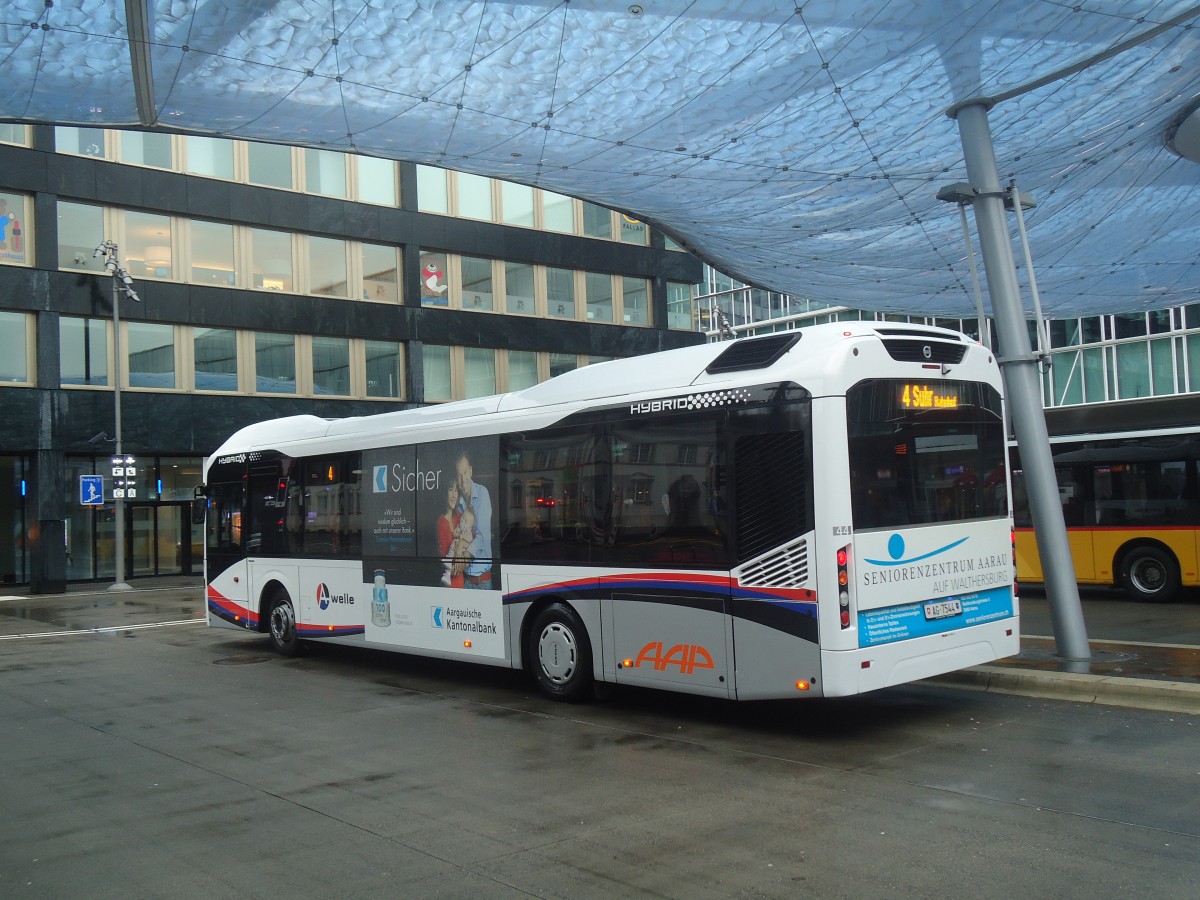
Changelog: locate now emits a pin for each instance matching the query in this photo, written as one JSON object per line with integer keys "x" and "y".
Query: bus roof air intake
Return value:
{"x": 752, "y": 353}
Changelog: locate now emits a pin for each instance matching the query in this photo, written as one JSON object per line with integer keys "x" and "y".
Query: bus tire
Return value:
{"x": 559, "y": 654}
{"x": 281, "y": 625}
{"x": 1149, "y": 573}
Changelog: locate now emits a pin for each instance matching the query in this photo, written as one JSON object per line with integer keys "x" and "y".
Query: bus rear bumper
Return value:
{"x": 886, "y": 665}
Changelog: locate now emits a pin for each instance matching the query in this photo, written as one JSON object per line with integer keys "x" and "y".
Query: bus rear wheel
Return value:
{"x": 559, "y": 654}
{"x": 1150, "y": 573}
{"x": 281, "y": 622}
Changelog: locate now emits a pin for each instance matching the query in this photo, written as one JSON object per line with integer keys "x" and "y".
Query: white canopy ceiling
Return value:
{"x": 797, "y": 146}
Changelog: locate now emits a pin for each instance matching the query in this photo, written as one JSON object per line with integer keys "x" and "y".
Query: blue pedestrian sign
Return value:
{"x": 91, "y": 490}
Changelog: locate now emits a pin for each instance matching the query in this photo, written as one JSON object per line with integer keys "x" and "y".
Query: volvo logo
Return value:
{"x": 927, "y": 352}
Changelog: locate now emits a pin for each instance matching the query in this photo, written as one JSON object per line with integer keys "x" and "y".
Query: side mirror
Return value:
{"x": 199, "y": 505}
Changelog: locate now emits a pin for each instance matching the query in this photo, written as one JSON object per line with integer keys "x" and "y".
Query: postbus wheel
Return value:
{"x": 281, "y": 623}
{"x": 1149, "y": 573}
{"x": 559, "y": 654}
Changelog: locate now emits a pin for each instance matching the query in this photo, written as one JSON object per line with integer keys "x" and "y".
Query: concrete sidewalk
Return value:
{"x": 1144, "y": 655}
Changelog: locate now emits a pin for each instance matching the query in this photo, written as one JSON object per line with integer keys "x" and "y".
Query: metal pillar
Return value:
{"x": 119, "y": 583}
{"x": 1022, "y": 381}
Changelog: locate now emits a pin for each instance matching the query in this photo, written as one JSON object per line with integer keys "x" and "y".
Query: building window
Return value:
{"x": 376, "y": 180}
{"x": 477, "y": 289}
{"x": 432, "y": 195}
{"x": 14, "y": 134}
{"x": 598, "y": 289}
{"x": 635, "y": 301}
{"x": 79, "y": 141}
{"x": 561, "y": 363}
{"x": 435, "y": 289}
{"x": 83, "y": 351}
{"x": 479, "y": 370}
{"x": 383, "y": 369}
{"x": 16, "y": 347}
{"x": 327, "y": 267}
{"x": 147, "y": 245}
{"x": 518, "y": 289}
{"x": 274, "y": 363}
{"x": 597, "y": 221}
{"x": 150, "y": 352}
{"x": 270, "y": 165}
{"x": 143, "y": 148}
{"x": 212, "y": 157}
{"x": 216, "y": 367}
{"x": 522, "y": 369}
{"x": 331, "y": 365}
{"x": 325, "y": 172}
{"x": 271, "y": 259}
{"x": 14, "y": 229}
{"x": 679, "y": 306}
{"x": 1162, "y": 363}
{"x": 558, "y": 212}
{"x": 380, "y": 273}
{"x": 474, "y": 196}
{"x": 560, "y": 293}
{"x": 210, "y": 245}
{"x": 633, "y": 231}
{"x": 516, "y": 201}
{"x": 80, "y": 231}
{"x": 436, "y": 368}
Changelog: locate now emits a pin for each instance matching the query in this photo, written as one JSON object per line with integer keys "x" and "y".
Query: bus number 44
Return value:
{"x": 688, "y": 657}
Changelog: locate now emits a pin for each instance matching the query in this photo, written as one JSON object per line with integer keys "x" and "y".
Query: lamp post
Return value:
{"x": 122, "y": 284}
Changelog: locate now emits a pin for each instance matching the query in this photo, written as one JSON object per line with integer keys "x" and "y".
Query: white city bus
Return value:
{"x": 817, "y": 513}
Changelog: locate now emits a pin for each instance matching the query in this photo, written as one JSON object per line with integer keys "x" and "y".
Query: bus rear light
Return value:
{"x": 843, "y": 575}
{"x": 865, "y": 664}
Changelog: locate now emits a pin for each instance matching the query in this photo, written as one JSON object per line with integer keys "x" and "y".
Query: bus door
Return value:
{"x": 266, "y": 537}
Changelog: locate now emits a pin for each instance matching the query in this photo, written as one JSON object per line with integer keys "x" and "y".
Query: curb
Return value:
{"x": 1107, "y": 690}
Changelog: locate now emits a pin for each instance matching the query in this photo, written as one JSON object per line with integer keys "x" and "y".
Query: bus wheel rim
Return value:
{"x": 557, "y": 653}
{"x": 283, "y": 623}
{"x": 1148, "y": 576}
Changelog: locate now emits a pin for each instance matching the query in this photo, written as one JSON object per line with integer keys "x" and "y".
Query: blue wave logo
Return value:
{"x": 896, "y": 550}
{"x": 379, "y": 477}
{"x": 436, "y": 614}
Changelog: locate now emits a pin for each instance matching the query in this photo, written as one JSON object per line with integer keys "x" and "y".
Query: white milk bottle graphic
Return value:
{"x": 381, "y": 610}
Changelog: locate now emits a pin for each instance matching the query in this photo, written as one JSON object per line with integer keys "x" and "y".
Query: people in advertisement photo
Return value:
{"x": 475, "y": 565}
{"x": 455, "y": 532}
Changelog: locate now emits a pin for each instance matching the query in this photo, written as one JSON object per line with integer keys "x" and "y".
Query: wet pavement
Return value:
{"x": 1142, "y": 653}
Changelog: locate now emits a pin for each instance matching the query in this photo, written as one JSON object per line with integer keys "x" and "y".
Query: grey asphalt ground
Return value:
{"x": 148, "y": 756}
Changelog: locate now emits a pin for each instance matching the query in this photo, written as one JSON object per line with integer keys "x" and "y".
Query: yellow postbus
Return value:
{"x": 1131, "y": 502}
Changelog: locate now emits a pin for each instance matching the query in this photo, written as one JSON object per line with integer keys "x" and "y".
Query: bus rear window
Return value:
{"x": 925, "y": 453}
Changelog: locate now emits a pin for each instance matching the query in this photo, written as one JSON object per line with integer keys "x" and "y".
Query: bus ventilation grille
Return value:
{"x": 753, "y": 353}
{"x": 786, "y": 567}
{"x": 925, "y": 351}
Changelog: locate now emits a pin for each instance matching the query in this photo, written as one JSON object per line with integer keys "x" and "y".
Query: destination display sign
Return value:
{"x": 923, "y": 396}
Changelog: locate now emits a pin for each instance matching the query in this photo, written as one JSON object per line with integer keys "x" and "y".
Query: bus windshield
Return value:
{"x": 922, "y": 453}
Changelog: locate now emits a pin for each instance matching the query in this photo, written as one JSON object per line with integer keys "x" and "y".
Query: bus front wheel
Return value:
{"x": 281, "y": 621}
{"x": 1149, "y": 573}
{"x": 559, "y": 654}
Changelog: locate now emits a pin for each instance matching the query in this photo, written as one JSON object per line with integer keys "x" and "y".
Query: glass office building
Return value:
{"x": 273, "y": 281}
{"x": 1090, "y": 360}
